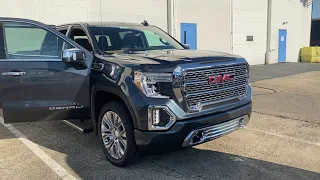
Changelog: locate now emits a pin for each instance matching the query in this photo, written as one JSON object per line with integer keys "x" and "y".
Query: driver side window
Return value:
{"x": 26, "y": 41}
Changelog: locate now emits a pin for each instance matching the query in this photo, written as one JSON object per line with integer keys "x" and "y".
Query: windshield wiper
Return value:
{"x": 112, "y": 52}
{"x": 136, "y": 49}
{"x": 125, "y": 50}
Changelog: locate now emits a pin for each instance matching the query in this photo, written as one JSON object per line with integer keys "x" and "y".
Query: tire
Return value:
{"x": 114, "y": 152}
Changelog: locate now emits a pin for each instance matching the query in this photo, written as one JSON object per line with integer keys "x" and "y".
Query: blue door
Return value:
{"x": 189, "y": 34}
{"x": 282, "y": 51}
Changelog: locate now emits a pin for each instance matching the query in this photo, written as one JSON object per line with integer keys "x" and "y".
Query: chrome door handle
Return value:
{"x": 13, "y": 73}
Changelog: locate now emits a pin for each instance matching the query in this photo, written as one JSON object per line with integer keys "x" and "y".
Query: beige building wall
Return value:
{"x": 250, "y": 19}
{"x": 46, "y": 11}
{"x": 65, "y": 11}
{"x": 213, "y": 22}
{"x": 222, "y": 25}
{"x": 295, "y": 17}
{"x": 154, "y": 11}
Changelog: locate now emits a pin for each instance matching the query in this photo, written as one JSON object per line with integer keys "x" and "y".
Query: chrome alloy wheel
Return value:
{"x": 113, "y": 134}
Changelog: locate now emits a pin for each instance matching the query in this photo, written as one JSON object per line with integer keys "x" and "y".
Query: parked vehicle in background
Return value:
{"x": 131, "y": 84}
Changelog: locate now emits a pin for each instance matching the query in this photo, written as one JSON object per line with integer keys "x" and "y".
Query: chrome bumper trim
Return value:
{"x": 216, "y": 131}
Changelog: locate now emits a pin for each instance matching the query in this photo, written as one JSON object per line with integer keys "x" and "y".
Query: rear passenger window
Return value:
{"x": 25, "y": 41}
{"x": 80, "y": 37}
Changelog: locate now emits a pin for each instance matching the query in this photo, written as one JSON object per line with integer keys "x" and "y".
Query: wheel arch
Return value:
{"x": 116, "y": 94}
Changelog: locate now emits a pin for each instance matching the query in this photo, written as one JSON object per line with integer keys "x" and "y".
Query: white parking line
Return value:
{"x": 59, "y": 170}
{"x": 285, "y": 137}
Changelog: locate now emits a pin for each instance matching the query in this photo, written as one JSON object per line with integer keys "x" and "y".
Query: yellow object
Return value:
{"x": 310, "y": 54}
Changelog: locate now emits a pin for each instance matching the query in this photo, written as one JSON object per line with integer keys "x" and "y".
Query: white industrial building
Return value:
{"x": 263, "y": 31}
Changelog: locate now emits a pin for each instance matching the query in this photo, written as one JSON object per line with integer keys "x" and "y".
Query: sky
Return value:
{"x": 316, "y": 9}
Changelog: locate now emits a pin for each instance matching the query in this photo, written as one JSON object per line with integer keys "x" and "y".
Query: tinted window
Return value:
{"x": 63, "y": 31}
{"x": 102, "y": 36}
{"x": 154, "y": 39}
{"x": 134, "y": 38}
{"x": 25, "y": 41}
{"x": 80, "y": 37}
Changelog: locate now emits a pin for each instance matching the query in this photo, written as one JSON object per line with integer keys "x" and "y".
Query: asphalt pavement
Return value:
{"x": 262, "y": 72}
{"x": 282, "y": 141}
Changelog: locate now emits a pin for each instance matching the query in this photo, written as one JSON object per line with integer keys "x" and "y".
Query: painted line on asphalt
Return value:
{"x": 52, "y": 164}
{"x": 285, "y": 137}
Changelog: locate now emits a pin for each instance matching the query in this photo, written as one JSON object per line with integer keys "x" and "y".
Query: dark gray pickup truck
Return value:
{"x": 133, "y": 85}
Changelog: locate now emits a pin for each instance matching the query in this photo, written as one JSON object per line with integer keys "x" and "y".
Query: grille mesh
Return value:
{"x": 196, "y": 87}
{"x": 216, "y": 96}
{"x": 204, "y": 74}
{"x": 205, "y": 86}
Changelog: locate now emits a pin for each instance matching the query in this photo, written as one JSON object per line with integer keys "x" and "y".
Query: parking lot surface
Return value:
{"x": 282, "y": 141}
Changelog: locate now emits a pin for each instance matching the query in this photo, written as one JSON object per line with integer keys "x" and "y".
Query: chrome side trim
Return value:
{"x": 216, "y": 131}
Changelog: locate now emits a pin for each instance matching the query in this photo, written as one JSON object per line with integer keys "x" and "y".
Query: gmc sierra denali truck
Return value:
{"x": 133, "y": 85}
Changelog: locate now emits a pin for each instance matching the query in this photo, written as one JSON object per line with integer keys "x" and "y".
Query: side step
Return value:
{"x": 84, "y": 126}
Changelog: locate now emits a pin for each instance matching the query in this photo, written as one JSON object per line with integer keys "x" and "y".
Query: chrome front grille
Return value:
{"x": 203, "y": 74}
{"x": 198, "y": 92}
{"x": 212, "y": 96}
{"x": 205, "y": 86}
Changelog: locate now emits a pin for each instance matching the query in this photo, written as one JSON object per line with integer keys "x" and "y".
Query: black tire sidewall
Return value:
{"x": 130, "y": 154}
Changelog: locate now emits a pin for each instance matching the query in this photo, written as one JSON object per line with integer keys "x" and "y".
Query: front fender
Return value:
{"x": 117, "y": 92}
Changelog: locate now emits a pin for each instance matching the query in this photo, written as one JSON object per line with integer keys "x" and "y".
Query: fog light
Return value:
{"x": 155, "y": 117}
{"x": 160, "y": 118}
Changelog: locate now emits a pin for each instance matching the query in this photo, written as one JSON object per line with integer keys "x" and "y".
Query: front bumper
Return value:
{"x": 177, "y": 136}
{"x": 141, "y": 106}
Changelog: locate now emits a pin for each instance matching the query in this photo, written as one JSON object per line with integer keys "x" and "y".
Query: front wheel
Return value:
{"x": 116, "y": 134}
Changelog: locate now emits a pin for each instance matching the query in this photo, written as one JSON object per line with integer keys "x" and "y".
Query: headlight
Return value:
{"x": 148, "y": 83}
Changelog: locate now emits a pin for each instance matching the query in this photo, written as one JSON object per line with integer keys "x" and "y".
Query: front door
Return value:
{"x": 188, "y": 34}
{"x": 34, "y": 82}
{"x": 282, "y": 51}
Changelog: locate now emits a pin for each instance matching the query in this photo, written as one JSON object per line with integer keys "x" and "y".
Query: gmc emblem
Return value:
{"x": 221, "y": 78}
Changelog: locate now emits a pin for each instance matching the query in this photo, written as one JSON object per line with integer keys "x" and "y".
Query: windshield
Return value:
{"x": 112, "y": 39}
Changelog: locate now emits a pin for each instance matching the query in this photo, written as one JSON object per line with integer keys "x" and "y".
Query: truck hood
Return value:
{"x": 166, "y": 60}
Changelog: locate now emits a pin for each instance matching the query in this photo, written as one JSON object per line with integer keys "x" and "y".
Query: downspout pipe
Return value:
{"x": 269, "y": 21}
{"x": 169, "y": 17}
{"x": 172, "y": 17}
{"x": 231, "y": 26}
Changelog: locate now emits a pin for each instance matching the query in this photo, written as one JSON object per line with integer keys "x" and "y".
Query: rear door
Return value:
{"x": 34, "y": 82}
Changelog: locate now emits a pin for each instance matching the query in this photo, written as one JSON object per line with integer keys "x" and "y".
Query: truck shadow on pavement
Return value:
{"x": 85, "y": 159}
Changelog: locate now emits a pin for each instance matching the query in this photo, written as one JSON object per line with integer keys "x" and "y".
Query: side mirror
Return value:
{"x": 187, "y": 46}
{"x": 75, "y": 57}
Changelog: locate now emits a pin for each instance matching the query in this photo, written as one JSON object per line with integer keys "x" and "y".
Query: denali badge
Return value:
{"x": 221, "y": 78}
{"x": 65, "y": 107}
